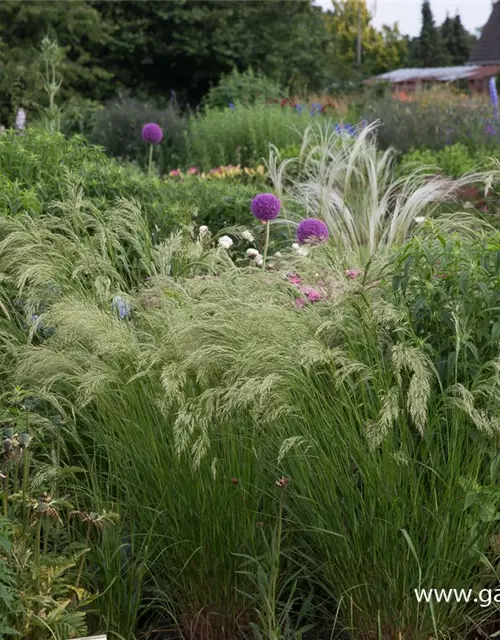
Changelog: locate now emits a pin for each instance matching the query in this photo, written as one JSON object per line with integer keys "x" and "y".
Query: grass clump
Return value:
{"x": 241, "y": 136}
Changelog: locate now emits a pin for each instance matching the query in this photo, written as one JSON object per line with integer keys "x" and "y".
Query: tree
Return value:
{"x": 432, "y": 52}
{"x": 187, "y": 45}
{"x": 462, "y": 42}
{"x": 76, "y": 26}
{"x": 447, "y": 31}
{"x": 381, "y": 51}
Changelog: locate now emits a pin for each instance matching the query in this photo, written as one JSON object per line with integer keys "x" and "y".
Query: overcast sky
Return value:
{"x": 407, "y": 13}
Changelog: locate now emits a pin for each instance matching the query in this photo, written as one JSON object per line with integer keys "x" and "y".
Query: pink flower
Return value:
{"x": 313, "y": 295}
{"x": 352, "y": 274}
{"x": 293, "y": 278}
{"x": 300, "y": 302}
{"x": 192, "y": 170}
{"x": 174, "y": 173}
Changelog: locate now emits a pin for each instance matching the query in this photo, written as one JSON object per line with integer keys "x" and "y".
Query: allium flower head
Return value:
{"x": 152, "y": 133}
{"x": 312, "y": 230}
{"x": 266, "y": 206}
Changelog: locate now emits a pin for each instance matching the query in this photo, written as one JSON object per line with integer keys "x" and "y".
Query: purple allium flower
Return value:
{"x": 152, "y": 133}
{"x": 312, "y": 230}
{"x": 266, "y": 206}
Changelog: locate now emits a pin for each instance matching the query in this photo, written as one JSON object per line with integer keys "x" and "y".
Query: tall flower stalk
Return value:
{"x": 152, "y": 134}
{"x": 51, "y": 57}
{"x": 494, "y": 95}
{"x": 266, "y": 207}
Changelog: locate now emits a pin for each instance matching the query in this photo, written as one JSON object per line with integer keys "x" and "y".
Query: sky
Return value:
{"x": 407, "y": 13}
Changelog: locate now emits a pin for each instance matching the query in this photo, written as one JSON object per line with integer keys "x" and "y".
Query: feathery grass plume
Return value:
{"x": 414, "y": 361}
{"x": 347, "y": 182}
{"x": 217, "y": 363}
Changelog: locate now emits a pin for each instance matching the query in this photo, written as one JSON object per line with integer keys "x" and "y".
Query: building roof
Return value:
{"x": 439, "y": 74}
{"x": 487, "y": 49}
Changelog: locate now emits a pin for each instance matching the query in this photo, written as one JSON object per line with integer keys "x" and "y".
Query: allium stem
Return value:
{"x": 266, "y": 245}
{"x": 150, "y": 160}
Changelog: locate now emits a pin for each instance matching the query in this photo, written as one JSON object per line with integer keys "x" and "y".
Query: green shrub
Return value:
{"x": 246, "y": 88}
{"x": 241, "y": 135}
{"x": 34, "y": 167}
{"x": 454, "y": 160}
{"x": 118, "y": 126}
{"x": 219, "y": 203}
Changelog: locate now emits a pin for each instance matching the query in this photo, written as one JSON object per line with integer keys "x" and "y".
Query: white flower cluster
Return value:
{"x": 225, "y": 242}
{"x": 301, "y": 251}
{"x": 255, "y": 257}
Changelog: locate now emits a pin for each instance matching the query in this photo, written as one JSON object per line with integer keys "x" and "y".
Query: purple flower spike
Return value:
{"x": 266, "y": 206}
{"x": 312, "y": 231}
{"x": 152, "y": 133}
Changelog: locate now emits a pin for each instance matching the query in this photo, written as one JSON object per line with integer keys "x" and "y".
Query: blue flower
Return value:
{"x": 299, "y": 108}
{"x": 346, "y": 128}
{"x": 315, "y": 108}
{"x": 231, "y": 105}
{"x": 120, "y": 306}
{"x": 39, "y": 328}
{"x": 494, "y": 94}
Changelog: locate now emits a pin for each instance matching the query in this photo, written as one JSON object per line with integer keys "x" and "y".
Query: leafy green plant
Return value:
{"x": 245, "y": 88}
{"x": 36, "y": 165}
{"x": 9, "y": 605}
{"x": 217, "y": 203}
{"x": 41, "y": 564}
{"x": 454, "y": 160}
